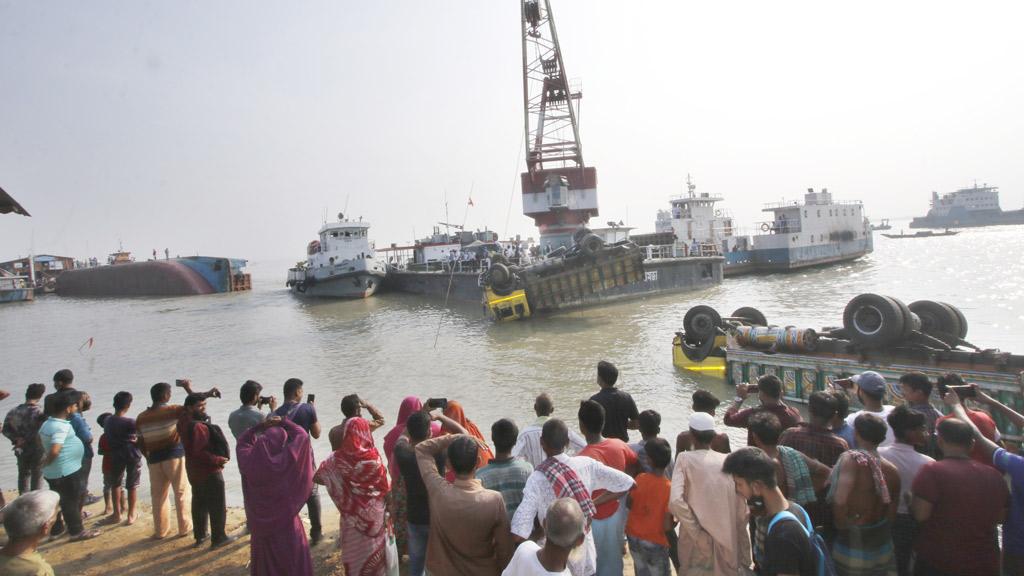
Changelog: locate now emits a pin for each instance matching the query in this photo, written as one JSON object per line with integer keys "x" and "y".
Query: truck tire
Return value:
{"x": 751, "y": 315}
{"x": 701, "y": 323}
{"x": 873, "y": 320}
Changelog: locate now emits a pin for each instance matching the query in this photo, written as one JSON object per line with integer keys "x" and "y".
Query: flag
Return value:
{"x": 88, "y": 343}
{"x": 471, "y": 201}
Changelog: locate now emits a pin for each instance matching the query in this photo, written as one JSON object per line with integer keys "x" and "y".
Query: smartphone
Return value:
{"x": 180, "y": 382}
{"x": 964, "y": 391}
{"x": 441, "y": 403}
{"x": 310, "y": 398}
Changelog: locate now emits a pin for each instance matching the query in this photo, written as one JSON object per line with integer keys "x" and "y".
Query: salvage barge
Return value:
{"x": 879, "y": 333}
{"x": 188, "y": 276}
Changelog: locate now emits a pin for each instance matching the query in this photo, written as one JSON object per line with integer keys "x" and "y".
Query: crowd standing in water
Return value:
{"x": 884, "y": 490}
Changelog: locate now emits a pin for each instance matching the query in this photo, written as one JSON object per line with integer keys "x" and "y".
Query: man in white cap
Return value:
{"x": 27, "y": 522}
{"x": 713, "y": 537}
{"x": 870, "y": 390}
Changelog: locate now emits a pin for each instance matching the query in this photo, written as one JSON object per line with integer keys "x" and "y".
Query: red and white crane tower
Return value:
{"x": 559, "y": 190}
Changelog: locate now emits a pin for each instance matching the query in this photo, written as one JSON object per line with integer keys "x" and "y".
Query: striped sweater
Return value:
{"x": 158, "y": 432}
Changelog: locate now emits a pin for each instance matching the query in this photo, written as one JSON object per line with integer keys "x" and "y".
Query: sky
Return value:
{"x": 231, "y": 128}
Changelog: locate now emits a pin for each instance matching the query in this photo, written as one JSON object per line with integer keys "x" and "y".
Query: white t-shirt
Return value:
{"x": 890, "y": 438}
{"x": 526, "y": 563}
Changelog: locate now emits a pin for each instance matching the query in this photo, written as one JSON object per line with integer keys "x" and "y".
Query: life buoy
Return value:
{"x": 765, "y": 227}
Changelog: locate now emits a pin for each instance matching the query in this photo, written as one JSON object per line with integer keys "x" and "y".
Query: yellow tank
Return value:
{"x": 713, "y": 364}
{"x": 511, "y": 307}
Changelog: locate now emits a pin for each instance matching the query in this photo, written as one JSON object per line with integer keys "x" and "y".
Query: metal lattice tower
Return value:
{"x": 551, "y": 106}
{"x": 559, "y": 190}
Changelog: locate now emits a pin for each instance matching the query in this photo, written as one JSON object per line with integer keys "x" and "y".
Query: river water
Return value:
{"x": 394, "y": 345}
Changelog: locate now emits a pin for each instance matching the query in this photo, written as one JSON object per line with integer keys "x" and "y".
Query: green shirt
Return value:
{"x": 27, "y": 564}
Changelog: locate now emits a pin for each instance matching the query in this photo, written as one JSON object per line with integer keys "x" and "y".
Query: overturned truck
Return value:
{"x": 591, "y": 272}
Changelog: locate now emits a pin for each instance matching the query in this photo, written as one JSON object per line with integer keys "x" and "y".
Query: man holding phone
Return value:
{"x": 986, "y": 426}
{"x": 304, "y": 414}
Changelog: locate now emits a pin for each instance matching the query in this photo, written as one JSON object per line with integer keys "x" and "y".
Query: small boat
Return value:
{"x": 341, "y": 264}
{"x": 883, "y": 226}
{"x": 878, "y": 333}
{"x": 922, "y": 234}
{"x": 15, "y": 288}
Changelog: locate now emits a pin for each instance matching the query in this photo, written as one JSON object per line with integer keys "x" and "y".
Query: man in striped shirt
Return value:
{"x": 504, "y": 473}
{"x": 160, "y": 442}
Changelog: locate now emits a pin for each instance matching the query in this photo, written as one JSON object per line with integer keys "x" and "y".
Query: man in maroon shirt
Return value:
{"x": 206, "y": 453}
{"x": 770, "y": 394}
{"x": 959, "y": 502}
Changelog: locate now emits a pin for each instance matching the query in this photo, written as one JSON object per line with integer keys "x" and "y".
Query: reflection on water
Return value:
{"x": 384, "y": 348}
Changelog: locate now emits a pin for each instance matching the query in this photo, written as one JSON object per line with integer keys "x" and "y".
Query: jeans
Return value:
{"x": 313, "y": 508}
{"x": 417, "y": 547}
{"x": 208, "y": 502}
{"x": 30, "y": 472}
{"x": 70, "y": 490}
{"x": 608, "y": 536}
{"x": 649, "y": 559}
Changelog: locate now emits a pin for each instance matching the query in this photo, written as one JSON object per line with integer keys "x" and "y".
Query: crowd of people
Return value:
{"x": 883, "y": 490}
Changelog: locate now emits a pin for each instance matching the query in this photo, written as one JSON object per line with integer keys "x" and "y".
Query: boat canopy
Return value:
{"x": 8, "y": 204}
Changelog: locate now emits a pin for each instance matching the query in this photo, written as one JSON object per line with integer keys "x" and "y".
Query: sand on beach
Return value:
{"x": 130, "y": 551}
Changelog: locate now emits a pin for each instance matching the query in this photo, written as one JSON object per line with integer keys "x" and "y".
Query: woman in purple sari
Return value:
{"x": 276, "y": 461}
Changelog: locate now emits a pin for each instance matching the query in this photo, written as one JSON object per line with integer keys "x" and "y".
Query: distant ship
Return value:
{"x": 123, "y": 276}
{"x": 968, "y": 207}
{"x": 884, "y": 225}
{"x": 818, "y": 231}
{"x": 342, "y": 263}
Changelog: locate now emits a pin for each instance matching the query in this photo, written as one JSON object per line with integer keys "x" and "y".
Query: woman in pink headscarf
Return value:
{"x": 357, "y": 481}
{"x": 398, "y": 497}
{"x": 276, "y": 462}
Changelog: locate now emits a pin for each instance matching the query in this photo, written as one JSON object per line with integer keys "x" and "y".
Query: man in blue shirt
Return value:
{"x": 305, "y": 416}
{"x": 62, "y": 463}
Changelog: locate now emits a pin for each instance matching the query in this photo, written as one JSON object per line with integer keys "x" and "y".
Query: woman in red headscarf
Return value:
{"x": 455, "y": 412}
{"x": 357, "y": 481}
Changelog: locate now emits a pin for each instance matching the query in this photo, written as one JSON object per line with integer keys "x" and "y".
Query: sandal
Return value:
{"x": 85, "y": 535}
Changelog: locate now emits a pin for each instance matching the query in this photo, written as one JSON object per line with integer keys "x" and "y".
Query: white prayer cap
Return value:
{"x": 702, "y": 421}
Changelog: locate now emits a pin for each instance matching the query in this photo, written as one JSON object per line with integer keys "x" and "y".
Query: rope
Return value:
{"x": 451, "y": 276}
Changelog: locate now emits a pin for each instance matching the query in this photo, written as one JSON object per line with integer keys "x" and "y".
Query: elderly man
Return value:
{"x": 27, "y": 521}
{"x": 564, "y": 525}
{"x": 577, "y": 477}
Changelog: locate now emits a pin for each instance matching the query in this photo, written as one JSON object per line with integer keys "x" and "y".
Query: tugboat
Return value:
{"x": 342, "y": 263}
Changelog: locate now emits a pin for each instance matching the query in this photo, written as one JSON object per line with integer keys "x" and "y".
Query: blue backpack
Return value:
{"x": 824, "y": 559}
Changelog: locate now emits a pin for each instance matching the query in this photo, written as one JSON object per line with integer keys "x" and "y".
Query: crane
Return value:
{"x": 559, "y": 190}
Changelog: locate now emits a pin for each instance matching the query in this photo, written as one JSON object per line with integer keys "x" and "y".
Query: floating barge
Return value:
{"x": 188, "y": 276}
{"x": 929, "y": 339}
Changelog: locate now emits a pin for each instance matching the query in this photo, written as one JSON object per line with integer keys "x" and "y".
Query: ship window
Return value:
{"x": 819, "y": 213}
{"x": 805, "y": 213}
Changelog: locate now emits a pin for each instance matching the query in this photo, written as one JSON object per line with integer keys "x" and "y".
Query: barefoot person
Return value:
{"x": 276, "y": 465}
{"x": 125, "y": 458}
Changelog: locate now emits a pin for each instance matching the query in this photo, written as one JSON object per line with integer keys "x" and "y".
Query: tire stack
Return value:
{"x": 876, "y": 321}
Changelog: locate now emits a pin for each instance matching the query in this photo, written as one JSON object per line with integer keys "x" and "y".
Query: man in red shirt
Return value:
{"x": 770, "y": 394}
{"x": 206, "y": 453}
{"x": 610, "y": 520}
{"x": 959, "y": 503}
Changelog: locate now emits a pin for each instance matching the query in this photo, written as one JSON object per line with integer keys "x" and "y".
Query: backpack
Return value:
{"x": 218, "y": 445}
{"x": 821, "y": 553}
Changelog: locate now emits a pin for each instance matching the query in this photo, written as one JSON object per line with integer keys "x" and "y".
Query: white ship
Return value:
{"x": 341, "y": 264}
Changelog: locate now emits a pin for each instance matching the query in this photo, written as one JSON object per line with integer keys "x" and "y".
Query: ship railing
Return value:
{"x": 801, "y": 204}
{"x": 778, "y": 227}
{"x": 698, "y": 250}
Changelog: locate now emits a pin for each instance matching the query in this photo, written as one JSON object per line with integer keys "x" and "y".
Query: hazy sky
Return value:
{"x": 229, "y": 128}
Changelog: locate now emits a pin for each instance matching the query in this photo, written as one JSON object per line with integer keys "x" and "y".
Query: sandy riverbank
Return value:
{"x": 129, "y": 550}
